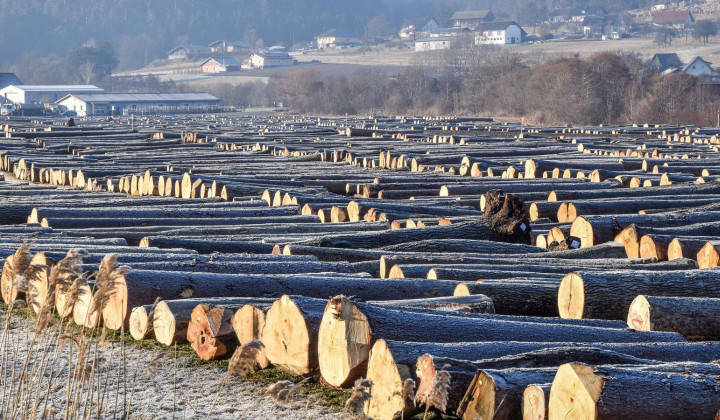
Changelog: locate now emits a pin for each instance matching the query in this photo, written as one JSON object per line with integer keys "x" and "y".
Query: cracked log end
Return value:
{"x": 575, "y": 389}
{"x": 210, "y": 333}
{"x": 387, "y": 377}
{"x": 286, "y": 338}
{"x": 571, "y": 297}
{"x": 344, "y": 341}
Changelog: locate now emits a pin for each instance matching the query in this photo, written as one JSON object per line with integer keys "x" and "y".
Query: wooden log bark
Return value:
{"x": 516, "y": 297}
{"x": 695, "y": 318}
{"x": 348, "y": 330}
{"x": 370, "y": 240}
{"x": 591, "y": 393}
{"x": 477, "y": 304}
{"x": 608, "y": 295}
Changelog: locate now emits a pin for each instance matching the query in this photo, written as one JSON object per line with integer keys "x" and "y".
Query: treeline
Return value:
{"x": 602, "y": 89}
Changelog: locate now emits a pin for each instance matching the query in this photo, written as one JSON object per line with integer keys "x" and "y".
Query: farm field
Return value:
{"x": 388, "y": 267}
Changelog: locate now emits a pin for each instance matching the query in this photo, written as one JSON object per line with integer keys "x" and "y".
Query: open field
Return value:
{"x": 463, "y": 267}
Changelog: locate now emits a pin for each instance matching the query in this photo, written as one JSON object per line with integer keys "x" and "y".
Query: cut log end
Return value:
{"x": 206, "y": 327}
{"x": 534, "y": 403}
{"x": 388, "y": 399}
{"x": 708, "y": 257}
{"x": 575, "y": 389}
{"x": 81, "y": 309}
{"x": 286, "y": 338}
{"x": 639, "y": 314}
{"x": 115, "y": 314}
{"x": 649, "y": 248}
{"x": 675, "y": 250}
{"x": 164, "y": 325}
{"x": 248, "y": 322}
{"x": 479, "y": 399}
{"x": 628, "y": 237}
{"x": 582, "y": 229}
{"x": 139, "y": 323}
{"x": 343, "y": 342}
{"x": 571, "y": 297}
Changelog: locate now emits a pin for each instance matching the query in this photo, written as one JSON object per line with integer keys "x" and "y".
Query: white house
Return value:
{"x": 699, "y": 68}
{"x": 137, "y": 103}
{"x": 419, "y": 28}
{"x": 263, "y": 59}
{"x": 499, "y": 33}
{"x": 433, "y": 43}
{"x": 26, "y": 94}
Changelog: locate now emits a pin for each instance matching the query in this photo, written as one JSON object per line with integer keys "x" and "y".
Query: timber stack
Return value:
{"x": 479, "y": 269}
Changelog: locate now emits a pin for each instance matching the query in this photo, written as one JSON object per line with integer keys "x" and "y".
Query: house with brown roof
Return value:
{"x": 673, "y": 18}
{"x": 471, "y": 18}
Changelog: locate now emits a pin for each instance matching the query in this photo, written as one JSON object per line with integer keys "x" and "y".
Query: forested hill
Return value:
{"x": 148, "y": 28}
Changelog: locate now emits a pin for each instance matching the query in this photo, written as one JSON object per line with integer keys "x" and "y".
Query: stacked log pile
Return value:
{"x": 480, "y": 269}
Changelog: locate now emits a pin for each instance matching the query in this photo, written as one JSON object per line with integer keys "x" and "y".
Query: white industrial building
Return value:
{"x": 28, "y": 94}
{"x": 499, "y": 33}
{"x": 132, "y": 103}
{"x": 433, "y": 43}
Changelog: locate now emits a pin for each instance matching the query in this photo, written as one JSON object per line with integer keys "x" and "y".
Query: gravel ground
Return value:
{"x": 160, "y": 390}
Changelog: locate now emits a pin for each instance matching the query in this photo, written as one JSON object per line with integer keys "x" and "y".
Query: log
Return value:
{"x": 594, "y": 230}
{"x": 513, "y": 297}
{"x": 471, "y": 230}
{"x": 608, "y": 295}
{"x": 249, "y": 320}
{"x": 534, "y": 401}
{"x": 695, "y": 318}
{"x": 172, "y": 317}
{"x": 464, "y": 246}
{"x": 709, "y": 255}
{"x": 210, "y": 332}
{"x": 476, "y": 304}
{"x": 348, "y": 330}
{"x": 497, "y": 394}
{"x": 592, "y": 393}
{"x": 142, "y": 287}
{"x": 290, "y": 334}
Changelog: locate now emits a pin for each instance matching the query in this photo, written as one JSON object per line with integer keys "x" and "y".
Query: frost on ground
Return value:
{"x": 47, "y": 375}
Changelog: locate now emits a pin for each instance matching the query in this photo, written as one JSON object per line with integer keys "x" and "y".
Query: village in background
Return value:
{"x": 429, "y": 63}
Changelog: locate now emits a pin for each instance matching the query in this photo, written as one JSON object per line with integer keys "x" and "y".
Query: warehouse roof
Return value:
{"x": 56, "y": 88}
{"x": 143, "y": 97}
